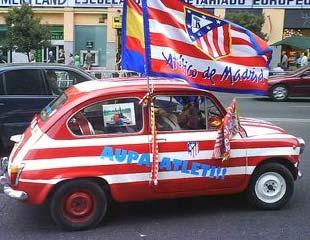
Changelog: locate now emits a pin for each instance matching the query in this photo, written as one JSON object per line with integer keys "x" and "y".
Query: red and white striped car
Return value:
{"x": 95, "y": 143}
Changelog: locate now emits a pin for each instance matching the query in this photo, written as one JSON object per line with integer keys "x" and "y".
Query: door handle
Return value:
{"x": 161, "y": 139}
{"x": 2, "y": 104}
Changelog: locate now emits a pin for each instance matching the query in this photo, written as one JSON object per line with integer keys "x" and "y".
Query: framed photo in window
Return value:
{"x": 119, "y": 114}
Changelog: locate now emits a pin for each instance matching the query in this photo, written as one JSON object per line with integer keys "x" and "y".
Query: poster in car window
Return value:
{"x": 119, "y": 114}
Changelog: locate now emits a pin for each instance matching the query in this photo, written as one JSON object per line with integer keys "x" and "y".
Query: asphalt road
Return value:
{"x": 228, "y": 217}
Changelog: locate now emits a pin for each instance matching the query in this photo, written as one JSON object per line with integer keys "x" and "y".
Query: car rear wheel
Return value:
{"x": 78, "y": 205}
{"x": 271, "y": 187}
{"x": 279, "y": 93}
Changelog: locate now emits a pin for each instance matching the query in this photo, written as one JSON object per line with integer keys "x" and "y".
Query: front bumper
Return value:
{"x": 19, "y": 195}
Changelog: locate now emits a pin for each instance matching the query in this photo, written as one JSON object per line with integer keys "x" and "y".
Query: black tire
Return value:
{"x": 279, "y": 93}
{"x": 267, "y": 195}
{"x": 78, "y": 205}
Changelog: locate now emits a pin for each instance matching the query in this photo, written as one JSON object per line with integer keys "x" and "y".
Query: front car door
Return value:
{"x": 117, "y": 143}
{"x": 25, "y": 93}
{"x": 186, "y": 138}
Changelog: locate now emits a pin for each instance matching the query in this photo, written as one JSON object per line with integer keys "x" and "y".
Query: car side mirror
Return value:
{"x": 215, "y": 121}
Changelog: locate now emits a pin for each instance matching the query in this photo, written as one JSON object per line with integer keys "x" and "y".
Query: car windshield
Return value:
{"x": 299, "y": 70}
{"x": 51, "y": 108}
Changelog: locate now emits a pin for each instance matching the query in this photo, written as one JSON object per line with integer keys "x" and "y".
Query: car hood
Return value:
{"x": 278, "y": 78}
{"x": 257, "y": 127}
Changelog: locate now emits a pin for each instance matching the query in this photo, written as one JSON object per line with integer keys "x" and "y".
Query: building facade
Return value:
{"x": 80, "y": 25}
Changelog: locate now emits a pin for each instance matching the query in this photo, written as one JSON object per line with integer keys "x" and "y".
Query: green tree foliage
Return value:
{"x": 249, "y": 21}
{"x": 24, "y": 31}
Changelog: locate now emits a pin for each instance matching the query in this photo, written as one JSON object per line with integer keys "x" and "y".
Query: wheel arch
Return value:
{"x": 280, "y": 84}
{"x": 281, "y": 160}
{"x": 100, "y": 181}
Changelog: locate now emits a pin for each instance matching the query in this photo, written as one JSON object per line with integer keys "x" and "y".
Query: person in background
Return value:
{"x": 71, "y": 60}
{"x": 87, "y": 60}
{"x": 51, "y": 58}
{"x": 61, "y": 57}
{"x": 277, "y": 69}
{"x": 304, "y": 60}
{"x": 2, "y": 57}
{"x": 284, "y": 61}
{"x": 32, "y": 57}
{"x": 77, "y": 61}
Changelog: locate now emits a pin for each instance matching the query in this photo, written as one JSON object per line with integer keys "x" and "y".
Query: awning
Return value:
{"x": 295, "y": 41}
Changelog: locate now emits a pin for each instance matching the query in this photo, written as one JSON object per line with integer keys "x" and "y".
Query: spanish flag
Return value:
{"x": 133, "y": 47}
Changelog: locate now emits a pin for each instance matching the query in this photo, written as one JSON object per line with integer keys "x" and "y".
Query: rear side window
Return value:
{"x": 1, "y": 84}
{"x": 63, "y": 78}
{"x": 51, "y": 108}
{"x": 24, "y": 82}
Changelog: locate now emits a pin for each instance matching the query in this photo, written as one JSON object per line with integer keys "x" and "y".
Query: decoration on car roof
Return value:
{"x": 173, "y": 39}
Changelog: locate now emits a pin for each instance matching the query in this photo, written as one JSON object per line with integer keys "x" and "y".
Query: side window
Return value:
{"x": 117, "y": 116}
{"x": 24, "y": 82}
{"x": 174, "y": 113}
{"x": 64, "y": 78}
{"x": 1, "y": 85}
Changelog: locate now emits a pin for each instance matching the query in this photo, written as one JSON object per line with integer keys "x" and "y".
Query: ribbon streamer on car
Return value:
{"x": 155, "y": 159}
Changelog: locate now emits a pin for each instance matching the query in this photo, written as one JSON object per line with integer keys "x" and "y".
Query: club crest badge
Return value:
{"x": 193, "y": 148}
{"x": 210, "y": 34}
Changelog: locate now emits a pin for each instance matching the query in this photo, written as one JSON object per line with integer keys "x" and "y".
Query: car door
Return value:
{"x": 25, "y": 94}
{"x": 117, "y": 143}
{"x": 302, "y": 85}
{"x": 186, "y": 138}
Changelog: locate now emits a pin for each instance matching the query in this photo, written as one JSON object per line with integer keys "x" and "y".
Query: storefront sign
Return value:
{"x": 197, "y": 3}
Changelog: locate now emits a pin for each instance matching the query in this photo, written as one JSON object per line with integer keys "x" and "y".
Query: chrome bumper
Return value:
{"x": 19, "y": 195}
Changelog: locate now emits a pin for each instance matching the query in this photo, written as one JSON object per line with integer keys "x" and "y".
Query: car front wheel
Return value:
{"x": 279, "y": 93}
{"x": 271, "y": 187}
{"x": 78, "y": 205}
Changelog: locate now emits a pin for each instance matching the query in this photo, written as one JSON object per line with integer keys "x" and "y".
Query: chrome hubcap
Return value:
{"x": 270, "y": 187}
{"x": 279, "y": 93}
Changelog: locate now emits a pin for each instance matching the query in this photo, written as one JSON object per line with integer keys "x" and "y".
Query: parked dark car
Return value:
{"x": 294, "y": 84}
{"x": 26, "y": 88}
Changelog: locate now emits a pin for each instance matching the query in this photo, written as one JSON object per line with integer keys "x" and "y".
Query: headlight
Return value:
{"x": 301, "y": 145}
{"x": 15, "y": 171}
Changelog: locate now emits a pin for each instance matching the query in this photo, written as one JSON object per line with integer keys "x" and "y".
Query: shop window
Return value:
{"x": 24, "y": 82}
{"x": 119, "y": 116}
{"x": 175, "y": 113}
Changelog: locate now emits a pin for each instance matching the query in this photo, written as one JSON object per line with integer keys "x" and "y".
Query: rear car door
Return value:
{"x": 25, "y": 93}
{"x": 186, "y": 138}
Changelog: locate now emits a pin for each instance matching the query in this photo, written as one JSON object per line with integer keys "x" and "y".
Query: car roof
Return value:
{"x": 124, "y": 83}
{"x": 8, "y": 66}
{"x": 127, "y": 86}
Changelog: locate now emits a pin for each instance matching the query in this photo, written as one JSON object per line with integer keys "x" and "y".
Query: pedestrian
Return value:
{"x": 61, "y": 56}
{"x": 71, "y": 60}
{"x": 87, "y": 60}
{"x": 51, "y": 58}
{"x": 284, "y": 61}
{"x": 32, "y": 58}
{"x": 2, "y": 57}
{"x": 77, "y": 61}
{"x": 304, "y": 60}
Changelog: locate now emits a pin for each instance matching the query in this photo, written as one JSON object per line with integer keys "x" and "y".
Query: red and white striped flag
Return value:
{"x": 227, "y": 130}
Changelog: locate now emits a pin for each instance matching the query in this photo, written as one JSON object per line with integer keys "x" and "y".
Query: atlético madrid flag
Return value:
{"x": 133, "y": 47}
{"x": 185, "y": 42}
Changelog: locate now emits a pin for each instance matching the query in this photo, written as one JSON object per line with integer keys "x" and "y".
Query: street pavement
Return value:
{"x": 226, "y": 217}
